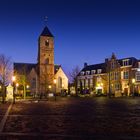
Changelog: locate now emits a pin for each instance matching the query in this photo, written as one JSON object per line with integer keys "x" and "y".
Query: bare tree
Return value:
{"x": 21, "y": 78}
{"x": 73, "y": 76}
{"x": 5, "y": 73}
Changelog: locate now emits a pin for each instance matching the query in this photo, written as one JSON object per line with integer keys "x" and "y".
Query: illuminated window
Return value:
{"x": 115, "y": 75}
{"x": 117, "y": 86}
{"x": 138, "y": 76}
{"x": 82, "y": 73}
{"x": 112, "y": 65}
{"x": 125, "y": 75}
{"x": 99, "y": 79}
{"x": 112, "y": 75}
{"x": 93, "y": 71}
{"x": 59, "y": 82}
{"x": 91, "y": 81}
{"x": 99, "y": 71}
{"x": 126, "y": 62}
{"x": 86, "y": 82}
{"x": 87, "y": 72}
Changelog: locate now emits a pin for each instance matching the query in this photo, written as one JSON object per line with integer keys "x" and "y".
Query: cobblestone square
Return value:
{"x": 74, "y": 118}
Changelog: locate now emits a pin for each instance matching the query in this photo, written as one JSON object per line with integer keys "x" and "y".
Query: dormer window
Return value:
{"x": 126, "y": 62}
{"x": 99, "y": 71}
{"x": 87, "y": 72}
{"x": 82, "y": 73}
{"x": 47, "y": 42}
{"x": 93, "y": 71}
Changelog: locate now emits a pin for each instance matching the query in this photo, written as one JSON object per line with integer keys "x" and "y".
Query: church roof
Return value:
{"x": 46, "y": 32}
{"x": 23, "y": 68}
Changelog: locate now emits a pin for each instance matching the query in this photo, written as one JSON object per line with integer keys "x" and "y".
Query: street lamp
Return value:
{"x": 50, "y": 86}
{"x": 133, "y": 82}
{"x": 54, "y": 81}
{"x": 13, "y": 80}
{"x": 26, "y": 91}
{"x": 27, "y": 86}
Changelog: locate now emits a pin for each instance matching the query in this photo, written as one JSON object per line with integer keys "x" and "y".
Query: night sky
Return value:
{"x": 84, "y": 30}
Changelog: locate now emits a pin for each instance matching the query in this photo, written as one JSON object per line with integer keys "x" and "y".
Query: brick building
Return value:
{"x": 114, "y": 76}
{"x": 44, "y": 76}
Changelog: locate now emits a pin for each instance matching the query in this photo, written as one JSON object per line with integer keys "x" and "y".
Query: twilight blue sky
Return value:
{"x": 84, "y": 30}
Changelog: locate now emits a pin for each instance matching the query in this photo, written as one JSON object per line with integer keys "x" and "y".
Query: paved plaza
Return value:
{"x": 72, "y": 119}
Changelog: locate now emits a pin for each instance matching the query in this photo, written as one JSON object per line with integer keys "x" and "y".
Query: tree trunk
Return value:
{"x": 3, "y": 94}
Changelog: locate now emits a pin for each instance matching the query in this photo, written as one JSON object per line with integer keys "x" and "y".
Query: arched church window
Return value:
{"x": 47, "y": 43}
{"x": 47, "y": 61}
{"x": 59, "y": 82}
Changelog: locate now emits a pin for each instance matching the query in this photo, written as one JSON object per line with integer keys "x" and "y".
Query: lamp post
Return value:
{"x": 133, "y": 82}
{"x": 54, "y": 81}
{"x": 27, "y": 86}
{"x": 27, "y": 91}
{"x": 13, "y": 80}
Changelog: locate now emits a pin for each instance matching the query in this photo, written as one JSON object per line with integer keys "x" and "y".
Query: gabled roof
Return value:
{"x": 24, "y": 68}
{"x": 46, "y": 32}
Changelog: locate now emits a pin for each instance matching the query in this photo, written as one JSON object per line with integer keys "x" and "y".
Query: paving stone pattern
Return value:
{"x": 75, "y": 118}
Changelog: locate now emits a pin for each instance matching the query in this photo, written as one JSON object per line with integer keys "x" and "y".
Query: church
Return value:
{"x": 44, "y": 76}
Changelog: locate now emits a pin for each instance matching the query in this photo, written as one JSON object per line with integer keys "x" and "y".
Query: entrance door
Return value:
{"x": 126, "y": 91}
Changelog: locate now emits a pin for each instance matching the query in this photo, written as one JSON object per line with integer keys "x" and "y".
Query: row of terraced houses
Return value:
{"x": 116, "y": 76}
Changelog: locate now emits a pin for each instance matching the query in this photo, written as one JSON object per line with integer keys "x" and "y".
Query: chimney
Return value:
{"x": 106, "y": 60}
{"x": 85, "y": 65}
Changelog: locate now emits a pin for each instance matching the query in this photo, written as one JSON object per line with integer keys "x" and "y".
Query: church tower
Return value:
{"x": 45, "y": 61}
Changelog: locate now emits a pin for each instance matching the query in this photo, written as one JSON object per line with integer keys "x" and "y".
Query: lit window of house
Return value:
{"x": 82, "y": 82}
{"x": 87, "y": 72}
{"x": 93, "y": 71}
{"x": 78, "y": 83}
{"x": 112, "y": 65}
{"x": 99, "y": 79}
{"x": 91, "y": 81}
{"x": 111, "y": 75}
{"x": 138, "y": 76}
{"x": 126, "y": 62}
{"x": 86, "y": 82}
{"x": 125, "y": 75}
{"x": 82, "y": 73}
{"x": 99, "y": 71}
{"x": 115, "y": 75}
{"x": 117, "y": 86}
